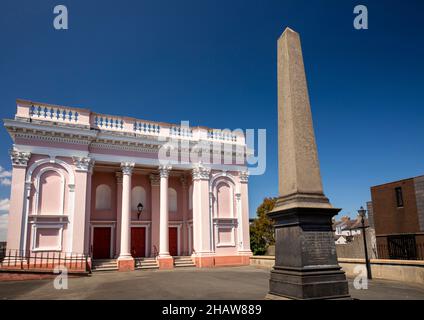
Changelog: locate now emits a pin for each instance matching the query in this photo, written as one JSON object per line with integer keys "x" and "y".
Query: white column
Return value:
{"x": 163, "y": 220}
{"x": 243, "y": 214}
{"x": 127, "y": 169}
{"x": 79, "y": 221}
{"x": 202, "y": 241}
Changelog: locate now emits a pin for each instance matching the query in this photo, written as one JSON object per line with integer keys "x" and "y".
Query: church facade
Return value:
{"x": 122, "y": 189}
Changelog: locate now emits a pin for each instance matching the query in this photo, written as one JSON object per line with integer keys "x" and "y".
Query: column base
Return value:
{"x": 165, "y": 263}
{"x": 126, "y": 264}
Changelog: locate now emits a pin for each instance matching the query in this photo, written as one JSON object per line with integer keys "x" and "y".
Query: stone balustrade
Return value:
{"x": 60, "y": 115}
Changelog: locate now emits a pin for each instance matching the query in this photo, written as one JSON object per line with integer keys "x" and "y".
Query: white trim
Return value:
{"x": 154, "y": 162}
{"x": 54, "y": 152}
{"x": 226, "y": 223}
{"x": 71, "y": 199}
{"x": 33, "y": 240}
{"x": 240, "y": 220}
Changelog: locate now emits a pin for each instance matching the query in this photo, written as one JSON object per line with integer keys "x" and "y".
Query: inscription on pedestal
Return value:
{"x": 318, "y": 248}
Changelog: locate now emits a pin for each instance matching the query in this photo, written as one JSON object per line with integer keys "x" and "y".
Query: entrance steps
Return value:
{"x": 104, "y": 265}
{"x": 181, "y": 262}
{"x": 146, "y": 264}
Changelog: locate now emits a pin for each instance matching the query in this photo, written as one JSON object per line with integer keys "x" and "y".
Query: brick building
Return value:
{"x": 398, "y": 217}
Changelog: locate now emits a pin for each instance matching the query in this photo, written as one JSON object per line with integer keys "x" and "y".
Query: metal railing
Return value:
{"x": 11, "y": 259}
{"x": 401, "y": 252}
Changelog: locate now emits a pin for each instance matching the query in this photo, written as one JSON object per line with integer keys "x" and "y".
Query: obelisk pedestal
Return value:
{"x": 306, "y": 264}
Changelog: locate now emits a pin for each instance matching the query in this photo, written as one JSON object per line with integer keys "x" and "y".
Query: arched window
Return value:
{"x": 190, "y": 198}
{"x": 138, "y": 195}
{"x": 224, "y": 200}
{"x": 103, "y": 197}
{"x": 172, "y": 200}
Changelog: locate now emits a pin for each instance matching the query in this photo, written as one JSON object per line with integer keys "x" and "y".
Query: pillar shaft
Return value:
{"x": 164, "y": 228}
{"x": 119, "y": 180}
{"x": 244, "y": 236}
{"x": 201, "y": 212}
{"x": 82, "y": 196}
{"x": 126, "y": 211}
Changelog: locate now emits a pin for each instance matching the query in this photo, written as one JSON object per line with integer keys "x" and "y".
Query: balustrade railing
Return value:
{"x": 146, "y": 128}
{"x": 86, "y": 118}
{"x": 53, "y": 114}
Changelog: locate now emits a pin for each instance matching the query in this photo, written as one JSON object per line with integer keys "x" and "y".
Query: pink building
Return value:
{"x": 91, "y": 184}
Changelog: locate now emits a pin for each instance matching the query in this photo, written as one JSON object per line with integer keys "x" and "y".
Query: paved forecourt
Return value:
{"x": 221, "y": 283}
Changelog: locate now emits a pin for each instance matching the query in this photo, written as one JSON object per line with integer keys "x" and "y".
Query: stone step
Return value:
{"x": 147, "y": 267}
{"x": 185, "y": 265}
{"x": 104, "y": 269}
{"x": 105, "y": 265}
{"x": 183, "y": 262}
{"x": 146, "y": 264}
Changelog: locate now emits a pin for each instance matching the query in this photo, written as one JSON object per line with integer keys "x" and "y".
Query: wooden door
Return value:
{"x": 173, "y": 241}
{"x": 138, "y": 242}
{"x": 101, "y": 243}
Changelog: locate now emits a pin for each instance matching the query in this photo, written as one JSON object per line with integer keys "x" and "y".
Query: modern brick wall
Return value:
{"x": 388, "y": 218}
{"x": 419, "y": 194}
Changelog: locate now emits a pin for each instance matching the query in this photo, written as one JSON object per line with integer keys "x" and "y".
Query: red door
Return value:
{"x": 138, "y": 242}
{"x": 101, "y": 243}
{"x": 173, "y": 241}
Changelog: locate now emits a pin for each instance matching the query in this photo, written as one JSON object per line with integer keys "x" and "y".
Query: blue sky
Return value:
{"x": 214, "y": 63}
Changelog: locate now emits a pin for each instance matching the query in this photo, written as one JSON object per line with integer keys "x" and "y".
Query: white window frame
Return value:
{"x": 36, "y": 226}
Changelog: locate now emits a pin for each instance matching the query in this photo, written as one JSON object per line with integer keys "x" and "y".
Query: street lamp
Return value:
{"x": 362, "y": 212}
{"x": 139, "y": 210}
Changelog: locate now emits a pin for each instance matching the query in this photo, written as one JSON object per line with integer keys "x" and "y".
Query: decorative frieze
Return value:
{"x": 19, "y": 158}
{"x": 164, "y": 171}
{"x": 83, "y": 164}
{"x": 127, "y": 168}
{"x": 201, "y": 173}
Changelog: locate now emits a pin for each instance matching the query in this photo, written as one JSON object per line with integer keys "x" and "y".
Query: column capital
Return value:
{"x": 127, "y": 168}
{"x": 201, "y": 173}
{"x": 154, "y": 180}
{"x": 244, "y": 176}
{"x": 83, "y": 164}
{"x": 19, "y": 158}
{"x": 164, "y": 171}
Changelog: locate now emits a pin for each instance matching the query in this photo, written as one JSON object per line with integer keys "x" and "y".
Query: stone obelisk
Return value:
{"x": 306, "y": 264}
